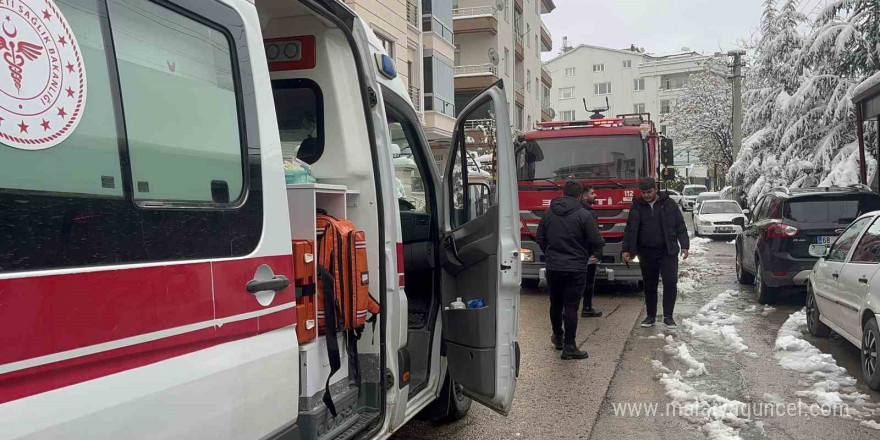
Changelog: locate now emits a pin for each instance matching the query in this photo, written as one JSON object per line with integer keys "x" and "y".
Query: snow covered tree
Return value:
{"x": 799, "y": 100}
{"x": 701, "y": 118}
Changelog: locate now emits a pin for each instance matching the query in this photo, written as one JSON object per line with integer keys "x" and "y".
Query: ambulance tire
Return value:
{"x": 459, "y": 403}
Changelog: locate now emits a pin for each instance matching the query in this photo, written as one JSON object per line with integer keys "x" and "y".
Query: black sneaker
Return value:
{"x": 572, "y": 352}
{"x": 557, "y": 342}
{"x": 590, "y": 313}
{"x": 669, "y": 322}
{"x": 649, "y": 321}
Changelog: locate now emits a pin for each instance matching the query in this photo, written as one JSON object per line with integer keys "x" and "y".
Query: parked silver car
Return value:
{"x": 843, "y": 292}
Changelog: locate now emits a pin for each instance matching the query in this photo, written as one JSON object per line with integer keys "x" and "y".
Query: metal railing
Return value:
{"x": 476, "y": 69}
{"x": 518, "y": 36}
{"x": 412, "y": 14}
{"x": 545, "y": 30}
{"x": 474, "y": 11}
{"x": 475, "y": 124}
{"x": 415, "y": 94}
{"x": 519, "y": 88}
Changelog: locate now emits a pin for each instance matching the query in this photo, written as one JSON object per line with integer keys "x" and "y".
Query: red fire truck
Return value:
{"x": 609, "y": 154}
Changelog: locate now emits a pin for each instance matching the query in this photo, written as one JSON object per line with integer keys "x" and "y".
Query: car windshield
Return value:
{"x": 694, "y": 190}
{"x": 824, "y": 209}
{"x": 720, "y": 208}
{"x": 594, "y": 157}
{"x": 704, "y": 197}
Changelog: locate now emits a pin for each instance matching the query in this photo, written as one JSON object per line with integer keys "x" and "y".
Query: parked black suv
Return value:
{"x": 773, "y": 249}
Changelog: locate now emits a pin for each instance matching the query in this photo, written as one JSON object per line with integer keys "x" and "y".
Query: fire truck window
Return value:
{"x": 300, "y": 109}
{"x": 180, "y": 105}
{"x": 87, "y": 162}
{"x": 598, "y": 157}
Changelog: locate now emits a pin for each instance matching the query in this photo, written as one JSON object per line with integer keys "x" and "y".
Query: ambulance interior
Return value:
{"x": 335, "y": 145}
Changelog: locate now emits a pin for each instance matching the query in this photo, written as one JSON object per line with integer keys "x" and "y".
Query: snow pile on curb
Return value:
{"x": 716, "y": 327}
{"x": 699, "y": 242}
{"x": 717, "y": 416}
{"x": 832, "y": 386}
{"x": 680, "y": 351}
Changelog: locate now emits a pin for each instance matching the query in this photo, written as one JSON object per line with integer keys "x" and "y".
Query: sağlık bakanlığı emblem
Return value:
{"x": 42, "y": 75}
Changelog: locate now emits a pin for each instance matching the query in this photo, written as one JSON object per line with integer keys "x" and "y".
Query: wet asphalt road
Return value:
{"x": 575, "y": 399}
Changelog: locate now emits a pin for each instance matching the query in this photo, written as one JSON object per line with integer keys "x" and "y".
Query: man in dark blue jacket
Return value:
{"x": 569, "y": 237}
{"x": 656, "y": 232}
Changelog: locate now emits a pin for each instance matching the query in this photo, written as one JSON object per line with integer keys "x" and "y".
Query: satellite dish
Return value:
{"x": 493, "y": 56}
{"x": 500, "y": 5}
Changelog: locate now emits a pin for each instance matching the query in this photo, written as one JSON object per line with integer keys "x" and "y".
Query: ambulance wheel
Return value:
{"x": 459, "y": 403}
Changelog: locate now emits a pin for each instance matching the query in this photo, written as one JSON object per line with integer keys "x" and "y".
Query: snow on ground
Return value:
{"x": 768, "y": 310}
{"x": 829, "y": 384}
{"x": 717, "y": 416}
{"x": 696, "y": 268}
{"x": 716, "y": 327}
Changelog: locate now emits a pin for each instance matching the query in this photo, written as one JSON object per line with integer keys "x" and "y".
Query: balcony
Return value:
{"x": 518, "y": 37}
{"x": 474, "y": 20}
{"x": 547, "y": 112}
{"x": 546, "y": 40}
{"x": 412, "y": 14}
{"x": 519, "y": 5}
{"x": 546, "y": 78}
{"x": 547, "y": 6}
{"x": 520, "y": 93}
{"x": 475, "y": 77}
{"x": 415, "y": 95}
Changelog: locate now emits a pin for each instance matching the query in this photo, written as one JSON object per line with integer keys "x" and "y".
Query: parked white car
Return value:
{"x": 689, "y": 196}
{"x": 719, "y": 217}
{"x": 674, "y": 195}
{"x": 843, "y": 292}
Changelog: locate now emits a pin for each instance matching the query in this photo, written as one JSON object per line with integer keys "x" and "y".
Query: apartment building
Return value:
{"x": 417, "y": 34}
{"x": 504, "y": 39}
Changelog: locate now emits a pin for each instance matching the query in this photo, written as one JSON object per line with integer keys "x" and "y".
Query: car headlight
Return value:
{"x": 526, "y": 255}
{"x": 705, "y": 223}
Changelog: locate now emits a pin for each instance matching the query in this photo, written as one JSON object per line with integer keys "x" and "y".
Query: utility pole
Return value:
{"x": 736, "y": 121}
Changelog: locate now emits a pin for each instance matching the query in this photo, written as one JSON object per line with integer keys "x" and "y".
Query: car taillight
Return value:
{"x": 781, "y": 230}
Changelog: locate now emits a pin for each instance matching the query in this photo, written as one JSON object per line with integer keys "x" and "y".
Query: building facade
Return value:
{"x": 417, "y": 34}
{"x": 503, "y": 40}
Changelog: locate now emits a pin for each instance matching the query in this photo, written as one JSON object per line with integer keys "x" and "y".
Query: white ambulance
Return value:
{"x": 146, "y": 227}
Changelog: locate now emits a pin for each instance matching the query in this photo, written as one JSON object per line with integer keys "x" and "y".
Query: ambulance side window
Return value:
{"x": 473, "y": 185}
{"x": 299, "y": 106}
{"x": 99, "y": 192}
{"x": 180, "y": 106}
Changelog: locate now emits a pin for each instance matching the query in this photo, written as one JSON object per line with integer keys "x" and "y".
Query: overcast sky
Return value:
{"x": 657, "y": 25}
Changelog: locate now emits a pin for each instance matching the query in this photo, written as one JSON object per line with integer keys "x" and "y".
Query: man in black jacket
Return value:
{"x": 588, "y": 311}
{"x": 656, "y": 232}
{"x": 568, "y": 236}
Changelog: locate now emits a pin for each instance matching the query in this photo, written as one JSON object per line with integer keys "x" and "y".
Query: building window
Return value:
{"x": 529, "y": 80}
{"x": 566, "y": 92}
{"x": 566, "y": 115}
{"x": 598, "y": 67}
{"x": 529, "y": 122}
{"x": 665, "y": 107}
{"x": 639, "y": 108}
{"x": 537, "y": 46}
{"x": 639, "y": 84}
{"x": 627, "y": 64}
{"x": 519, "y": 118}
{"x": 506, "y": 8}
{"x": 569, "y": 71}
{"x": 663, "y": 130}
{"x": 387, "y": 44}
{"x": 507, "y": 61}
{"x": 527, "y": 36}
{"x": 602, "y": 88}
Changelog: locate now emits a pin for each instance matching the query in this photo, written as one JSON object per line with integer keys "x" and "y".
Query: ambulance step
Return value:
{"x": 364, "y": 420}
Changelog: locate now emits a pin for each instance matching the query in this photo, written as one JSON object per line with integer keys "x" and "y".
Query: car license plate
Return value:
{"x": 824, "y": 239}
{"x": 724, "y": 229}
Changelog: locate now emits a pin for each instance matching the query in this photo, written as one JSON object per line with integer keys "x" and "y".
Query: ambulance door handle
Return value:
{"x": 276, "y": 283}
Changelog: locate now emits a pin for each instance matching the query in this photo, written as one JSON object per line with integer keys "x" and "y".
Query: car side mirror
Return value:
{"x": 819, "y": 250}
{"x": 746, "y": 212}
